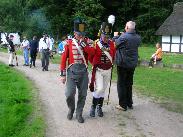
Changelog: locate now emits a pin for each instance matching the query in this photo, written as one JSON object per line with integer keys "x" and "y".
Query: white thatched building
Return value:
{"x": 172, "y": 30}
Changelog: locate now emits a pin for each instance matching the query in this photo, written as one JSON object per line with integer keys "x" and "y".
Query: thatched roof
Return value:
{"x": 173, "y": 25}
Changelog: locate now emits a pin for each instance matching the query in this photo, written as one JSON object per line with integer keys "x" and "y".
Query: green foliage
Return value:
{"x": 16, "y": 106}
{"x": 32, "y": 17}
{"x": 37, "y": 23}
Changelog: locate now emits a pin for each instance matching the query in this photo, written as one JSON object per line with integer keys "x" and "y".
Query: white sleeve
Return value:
{"x": 40, "y": 45}
{"x": 49, "y": 43}
{"x": 28, "y": 43}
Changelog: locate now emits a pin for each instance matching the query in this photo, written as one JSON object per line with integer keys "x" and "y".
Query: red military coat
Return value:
{"x": 97, "y": 63}
{"x": 69, "y": 55}
{"x": 96, "y": 59}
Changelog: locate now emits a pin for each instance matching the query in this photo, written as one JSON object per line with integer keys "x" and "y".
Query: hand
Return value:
{"x": 63, "y": 79}
{"x": 115, "y": 33}
{"x": 122, "y": 33}
{"x": 91, "y": 86}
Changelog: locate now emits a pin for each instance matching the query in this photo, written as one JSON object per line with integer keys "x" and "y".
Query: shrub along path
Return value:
{"x": 147, "y": 119}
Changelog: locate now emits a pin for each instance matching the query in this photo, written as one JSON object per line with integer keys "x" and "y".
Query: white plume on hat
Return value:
{"x": 111, "y": 19}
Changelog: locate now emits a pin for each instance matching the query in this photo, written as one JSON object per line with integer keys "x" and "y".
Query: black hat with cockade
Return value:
{"x": 106, "y": 28}
{"x": 79, "y": 26}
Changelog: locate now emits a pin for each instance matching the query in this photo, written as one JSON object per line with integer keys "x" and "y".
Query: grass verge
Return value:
{"x": 165, "y": 85}
{"x": 19, "y": 107}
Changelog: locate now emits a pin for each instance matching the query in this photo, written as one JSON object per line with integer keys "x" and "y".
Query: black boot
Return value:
{"x": 99, "y": 107}
{"x": 30, "y": 65}
{"x": 80, "y": 118}
{"x": 34, "y": 63}
{"x": 70, "y": 114}
{"x": 93, "y": 107}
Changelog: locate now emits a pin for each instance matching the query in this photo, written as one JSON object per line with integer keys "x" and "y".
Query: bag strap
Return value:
{"x": 105, "y": 52}
{"x": 80, "y": 51}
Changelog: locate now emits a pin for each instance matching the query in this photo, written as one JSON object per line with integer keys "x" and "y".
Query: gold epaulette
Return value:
{"x": 95, "y": 43}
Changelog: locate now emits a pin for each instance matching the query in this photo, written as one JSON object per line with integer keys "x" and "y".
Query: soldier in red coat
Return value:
{"x": 74, "y": 60}
{"x": 102, "y": 66}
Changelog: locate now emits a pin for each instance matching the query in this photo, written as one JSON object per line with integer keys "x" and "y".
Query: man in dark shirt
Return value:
{"x": 11, "y": 47}
{"x": 33, "y": 51}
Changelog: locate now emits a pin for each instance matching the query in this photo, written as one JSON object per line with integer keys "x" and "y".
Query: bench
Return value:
{"x": 159, "y": 64}
{"x": 145, "y": 63}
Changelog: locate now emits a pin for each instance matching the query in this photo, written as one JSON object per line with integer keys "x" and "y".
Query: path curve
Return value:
{"x": 147, "y": 119}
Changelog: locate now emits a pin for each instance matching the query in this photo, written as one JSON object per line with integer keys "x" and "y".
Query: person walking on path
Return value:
{"x": 25, "y": 47}
{"x": 61, "y": 45}
{"x": 76, "y": 53}
{"x": 127, "y": 44}
{"x": 33, "y": 50}
{"x": 11, "y": 49}
{"x": 52, "y": 42}
{"x": 102, "y": 66}
{"x": 44, "y": 48}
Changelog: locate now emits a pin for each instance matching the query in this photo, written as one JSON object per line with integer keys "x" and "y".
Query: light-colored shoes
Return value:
{"x": 120, "y": 108}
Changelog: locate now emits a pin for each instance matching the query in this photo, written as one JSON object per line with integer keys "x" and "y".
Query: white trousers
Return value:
{"x": 11, "y": 57}
{"x": 102, "y": 79}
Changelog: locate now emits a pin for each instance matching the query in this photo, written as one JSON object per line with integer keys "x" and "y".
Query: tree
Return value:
{"x": 91, "y": 11}
{"x": 56, "y": 17}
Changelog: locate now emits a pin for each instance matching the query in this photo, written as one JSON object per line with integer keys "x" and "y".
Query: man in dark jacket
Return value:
{"x": 33, "y": 51}
{"x": 128, "y": 44}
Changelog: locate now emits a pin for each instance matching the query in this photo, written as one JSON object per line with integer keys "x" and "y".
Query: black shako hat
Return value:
{"x": 106, "y": 28}
{"x": 79, "y": 26}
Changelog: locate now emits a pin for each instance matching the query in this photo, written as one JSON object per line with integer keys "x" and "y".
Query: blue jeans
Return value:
{"x": 26, "y": 56}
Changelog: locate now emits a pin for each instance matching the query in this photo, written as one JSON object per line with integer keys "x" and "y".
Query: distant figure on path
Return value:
{"x": 33, "y": 50}
{"x": 25, "y": 47}
{"x": 11, "y": 49}
{"x": 44, "y": 48}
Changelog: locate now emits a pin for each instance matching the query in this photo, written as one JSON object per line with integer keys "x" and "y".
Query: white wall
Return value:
{"x": 175, "y": 44}
{"x": 171, "y": 44}
{"x": 166, "y": 43}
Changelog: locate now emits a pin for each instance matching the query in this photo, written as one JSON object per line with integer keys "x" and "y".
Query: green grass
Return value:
{"x": 19, "y": 110}
{"x": 3, "y": 50}
{"x": 165, "y": 85}
{"x": 172, "y": 58}
{"x": 56, "y": 59}
{"x": 168, "y": 58}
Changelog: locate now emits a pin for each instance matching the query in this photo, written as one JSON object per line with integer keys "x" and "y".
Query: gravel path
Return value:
{"x": 147, "y": 119}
